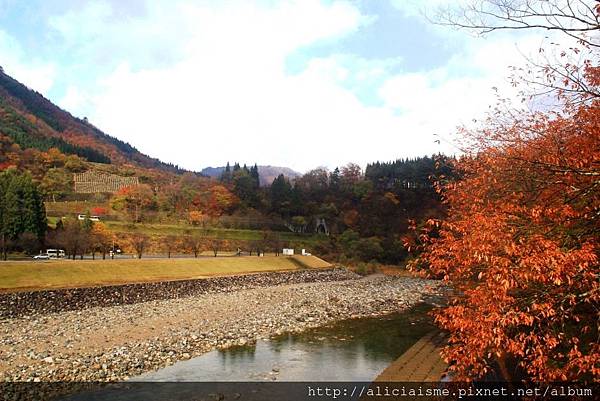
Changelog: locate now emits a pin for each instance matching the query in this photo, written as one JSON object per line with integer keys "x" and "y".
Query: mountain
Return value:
{"x": 266, "y": 173}
{"x": 30, "y": 120}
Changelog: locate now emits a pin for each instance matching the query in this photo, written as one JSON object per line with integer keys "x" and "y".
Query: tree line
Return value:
{"x": 22, "y": 213}
{"x": 364, "y": 214}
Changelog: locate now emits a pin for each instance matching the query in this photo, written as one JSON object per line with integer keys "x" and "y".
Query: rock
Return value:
{"x": 234, "y": 316}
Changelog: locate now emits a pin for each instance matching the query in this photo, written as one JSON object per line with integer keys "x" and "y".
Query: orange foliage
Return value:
{"x": 133, "y": 200}
{"x": 55, "y": 158}
{"x": 520, "y": 246}
{"x": 350, "y": 217}
{"x": 221, "y": 200}
{"x": 196, "y": 217}
{"x": 99, "y": 211}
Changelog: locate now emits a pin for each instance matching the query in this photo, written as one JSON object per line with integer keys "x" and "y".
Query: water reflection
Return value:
{"x": 238, "y": 353}
{"x": 354, "y": 350}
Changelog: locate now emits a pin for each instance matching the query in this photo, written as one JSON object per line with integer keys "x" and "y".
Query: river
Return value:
{"x": 351, "y": 350}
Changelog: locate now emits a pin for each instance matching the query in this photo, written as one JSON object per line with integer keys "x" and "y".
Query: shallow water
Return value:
{"x": 352, "y": 350}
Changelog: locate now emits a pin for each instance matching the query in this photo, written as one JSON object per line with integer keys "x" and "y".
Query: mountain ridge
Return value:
{"x": 27, "y": 117}
{"x": 266, "y": 173}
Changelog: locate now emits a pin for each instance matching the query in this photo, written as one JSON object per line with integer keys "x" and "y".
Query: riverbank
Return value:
{"x": 32, "y": 303}
{"x": 114, "y": 343}
{"x": 37, "y": 275}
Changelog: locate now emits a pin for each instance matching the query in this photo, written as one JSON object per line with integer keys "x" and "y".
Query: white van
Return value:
{"x": 55, "y": 253}
{"x": 84, "y": 216}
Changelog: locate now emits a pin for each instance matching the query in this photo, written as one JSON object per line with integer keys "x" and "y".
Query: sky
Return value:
{"x": 301, "y": 84}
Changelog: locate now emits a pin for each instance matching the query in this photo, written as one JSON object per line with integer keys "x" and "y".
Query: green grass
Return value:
{"x": 37, "y": 275}
{"x": 72, "y": 208}
{"x": 223, "y": 233}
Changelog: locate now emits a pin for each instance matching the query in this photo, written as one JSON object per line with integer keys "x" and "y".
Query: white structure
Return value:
{"x": 92, "y": 218}
{"x": 288, "y": 251}
{"x": 304, "y": 253}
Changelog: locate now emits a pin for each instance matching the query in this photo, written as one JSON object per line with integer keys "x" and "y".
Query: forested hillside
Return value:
{"x": 358, "y": 215}
{"x": 33, "y": 122}
{"x": 364, "y": 215}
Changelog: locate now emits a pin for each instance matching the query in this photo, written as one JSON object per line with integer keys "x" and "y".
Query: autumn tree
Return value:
{"x": 57, "y": 182}
{"x": 140, "y": 243}
{"x": 269, "y": 241}
{"x": 72, "y": 237}
{"x": 195, "y": 242}
{"x": 521, "y": 247}
{"x": 55, "y": 158}
{"x": 220, "y": 200}
{"x": 75, "y": 164}
{"x": 101, "y": 239}
{"x": 196, "y": 218}
{"x": 350, "y": 175}
{"x": 99, "y": 211}
{"x": 31, "y": 160}
{"x": 134, "y": 201}
{"x": 521, "y": 242}
{"x": 216, "y": 244}
{"x": 170, "y": 243}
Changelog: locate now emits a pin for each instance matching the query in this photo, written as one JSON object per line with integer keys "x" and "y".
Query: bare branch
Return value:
{"x": 575, "y": 18}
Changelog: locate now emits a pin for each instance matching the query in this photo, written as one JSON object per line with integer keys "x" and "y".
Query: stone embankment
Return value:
{"x": 117, "y": 342}
{"x": 27, "y": 303}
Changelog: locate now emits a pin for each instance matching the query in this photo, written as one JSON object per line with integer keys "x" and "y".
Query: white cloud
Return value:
{"x": 437, "y": 101}
{"x": 227, "y": 97}
{"x": 38, "y": 75}
{"x": 74, "y": 99}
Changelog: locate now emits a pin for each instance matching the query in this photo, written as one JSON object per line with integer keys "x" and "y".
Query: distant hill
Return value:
{"x": 30, "y": 120}
{"x": 266, "y": 173}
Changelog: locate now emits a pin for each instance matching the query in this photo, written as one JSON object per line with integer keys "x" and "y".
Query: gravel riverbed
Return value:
{"x": 117, "y": 342}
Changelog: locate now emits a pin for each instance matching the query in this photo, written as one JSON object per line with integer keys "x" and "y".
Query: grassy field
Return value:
{"x": 223, "y": 233}
{"x": 73, "y": 207}
{"x": 30, "y": 275}
{"x": 182, "y": 229}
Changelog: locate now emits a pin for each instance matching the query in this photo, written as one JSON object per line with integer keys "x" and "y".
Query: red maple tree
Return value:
{"x": 521, "y": 244}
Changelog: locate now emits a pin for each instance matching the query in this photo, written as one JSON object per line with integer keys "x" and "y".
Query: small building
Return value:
{"x": 288, "y": 251}
{"x": 304, "y": 253}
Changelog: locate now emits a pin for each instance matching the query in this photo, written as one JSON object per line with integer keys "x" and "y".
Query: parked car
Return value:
{"x": 42, "y": 256}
